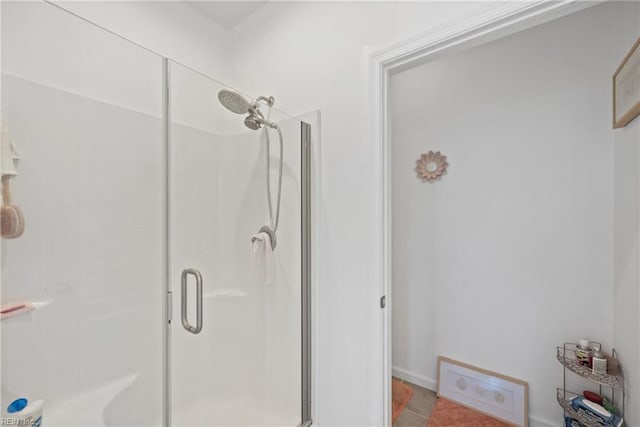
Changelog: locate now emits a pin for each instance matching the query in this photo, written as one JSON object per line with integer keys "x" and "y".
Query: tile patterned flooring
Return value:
{"x": 419, "y": 408}
{"x": 451, "y": 414}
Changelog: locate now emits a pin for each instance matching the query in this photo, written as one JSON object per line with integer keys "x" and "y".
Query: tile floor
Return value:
{"x": 418, "y": 410}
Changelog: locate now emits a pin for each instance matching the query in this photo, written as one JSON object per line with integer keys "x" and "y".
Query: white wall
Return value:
{"x": 626, "y": 320}
{"x": 108, "y": 70}
{"x": 496, "y": 264}
{"x": 169, "y": 28}
{"x": 310, "y": 57}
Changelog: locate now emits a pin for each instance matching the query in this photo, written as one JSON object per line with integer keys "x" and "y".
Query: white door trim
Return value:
{"x": 498, "y": 21}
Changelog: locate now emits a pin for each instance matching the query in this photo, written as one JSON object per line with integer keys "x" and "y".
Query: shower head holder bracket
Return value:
{"x": 272, "y": 235}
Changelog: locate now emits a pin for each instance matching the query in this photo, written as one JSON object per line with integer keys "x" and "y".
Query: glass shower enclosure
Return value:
{"x": 133, "y": 297}
{"x": 245, "y": 366}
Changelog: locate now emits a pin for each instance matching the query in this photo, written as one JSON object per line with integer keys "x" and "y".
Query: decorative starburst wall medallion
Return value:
{"x": 431, "y": 166}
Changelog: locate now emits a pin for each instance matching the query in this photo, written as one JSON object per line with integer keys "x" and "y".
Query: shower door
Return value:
{"x": 236, "y": 341}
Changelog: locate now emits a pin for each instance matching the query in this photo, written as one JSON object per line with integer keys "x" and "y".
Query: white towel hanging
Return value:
{"x": 263, "y": 258}
{"x": 8, "y": 153}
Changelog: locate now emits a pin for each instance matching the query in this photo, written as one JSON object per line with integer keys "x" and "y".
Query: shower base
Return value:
{"x": 231, "y": 411}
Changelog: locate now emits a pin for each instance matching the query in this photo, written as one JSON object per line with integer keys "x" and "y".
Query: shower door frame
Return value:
{"x": 381, "y": 64}
{"x": 305, "y": 283}
{"x": 305, "y": 171}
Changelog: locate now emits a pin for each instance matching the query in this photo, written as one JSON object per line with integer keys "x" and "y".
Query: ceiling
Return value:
{"x": 227, "y": 14}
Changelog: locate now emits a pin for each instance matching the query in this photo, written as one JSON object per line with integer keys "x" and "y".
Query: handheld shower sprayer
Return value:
{"x": 256, "y": 119}
{"x": 238, "y": 104}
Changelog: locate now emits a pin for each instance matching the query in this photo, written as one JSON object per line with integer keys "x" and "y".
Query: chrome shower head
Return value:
{"x": 238, "y": 104}
{"x": 234, "y": 102}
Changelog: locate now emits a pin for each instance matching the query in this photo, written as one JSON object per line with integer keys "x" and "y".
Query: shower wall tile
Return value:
{"x": 90, "y": 186}
{"x": 248, "y": 352}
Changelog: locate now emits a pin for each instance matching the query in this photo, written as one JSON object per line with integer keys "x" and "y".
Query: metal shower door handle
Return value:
{"x": 185, "y": 322}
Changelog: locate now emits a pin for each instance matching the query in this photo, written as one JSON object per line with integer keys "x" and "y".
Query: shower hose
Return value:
{"x": 273, "y": 221}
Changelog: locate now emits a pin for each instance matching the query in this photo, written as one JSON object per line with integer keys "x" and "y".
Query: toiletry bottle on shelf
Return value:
{"x": 613, "y": 366}
{"x": 598, "y": 360}
{"x": 583, "y": 353}
{"x": 22, "y": 413}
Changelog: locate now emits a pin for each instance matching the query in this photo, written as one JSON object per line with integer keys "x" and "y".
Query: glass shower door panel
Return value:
{"x": 84, "y": 109}
{"x": 244, "y": 366}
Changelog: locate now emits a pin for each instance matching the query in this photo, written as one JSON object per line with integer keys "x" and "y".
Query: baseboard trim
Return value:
{"x": 412, "y": 377}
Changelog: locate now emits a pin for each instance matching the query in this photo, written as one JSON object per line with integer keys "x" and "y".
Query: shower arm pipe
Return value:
{"x": 267, "y": 100}
{"x": 255, "y": 104}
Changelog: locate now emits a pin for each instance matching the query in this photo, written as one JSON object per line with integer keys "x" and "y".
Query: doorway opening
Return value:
{"x": 451, "y": 252}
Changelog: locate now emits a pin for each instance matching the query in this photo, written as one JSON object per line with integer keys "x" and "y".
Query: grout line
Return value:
{"x": 426, "y": 418}
{"x": 414, "y": 413}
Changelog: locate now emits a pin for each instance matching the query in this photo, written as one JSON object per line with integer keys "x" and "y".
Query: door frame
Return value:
{"x": 381, "y": 63}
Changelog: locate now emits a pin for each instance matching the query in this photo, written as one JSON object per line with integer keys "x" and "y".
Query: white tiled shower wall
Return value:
{"x": 87, "y": 127}
{"x": 248, "y": 353}
{"x": 91, "y": 247}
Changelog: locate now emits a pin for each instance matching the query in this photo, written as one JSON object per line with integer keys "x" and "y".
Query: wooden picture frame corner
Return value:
{"x": 634, "y": 110}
